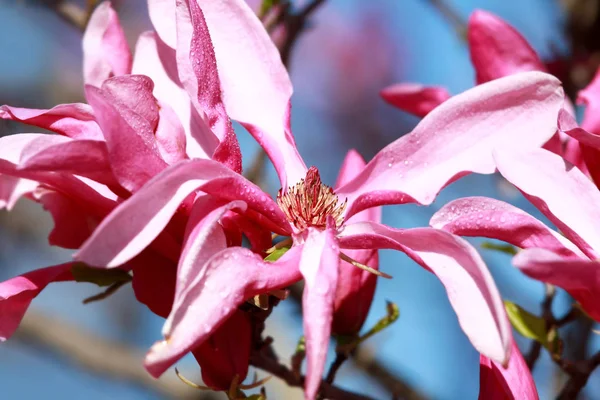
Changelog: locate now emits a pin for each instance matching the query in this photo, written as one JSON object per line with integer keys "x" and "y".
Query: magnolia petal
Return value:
{"x": 579, "y": 277}
{"x": 255, "y": 84}
{"x": 573, "y": 208}
{"x": 590, "y": 97}
{"x": 497, "y": 49}
{"x": 469, "y": 284}
{"x": 415, "y": 98}
{"x": 568, "y": 125}
{"x": 137, "y": 221}
{"x": 17, "y": 293}
{"x": 355, "y": 287}
{"x": 223, "y": 283}
{"x": 153, "y": 282}
{"x": 584, "y": 150}
{"x": 226, "y": 354}
{"x": 156, "y": 60}
{"x": 495, "y": 219}
{"x": 12, "y": 189}
{"x": 511, "y": 383}
{"x": 74, "y": 120}
{"x": 162, "y": 16}
{"x": 134, "y": 155}
{"x": 170, "y": 135}
{"x": 198, "y": 73}
{"x": 72, "y": 225}
{"x": 319, "y": 265}
{"x": 105, "y": 49}
{"x": 458, "y": 137}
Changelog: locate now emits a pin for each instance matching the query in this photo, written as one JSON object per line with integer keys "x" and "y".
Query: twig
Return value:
{"x": 279, "y": 370}
{"x": 580, "y": 372}
{"x": 536, "y": 347}
{"x": 105, "y": 294}
{"x": 295, "y": 23}
{"x": 340, "y": 358}
{"x": 72, "y": 13}
{"x": 104, "y": 357}
{"x": 452, "y": 16}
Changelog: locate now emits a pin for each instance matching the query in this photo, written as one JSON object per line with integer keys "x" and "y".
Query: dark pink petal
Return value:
{"x": 134, "y": 92}
{"x": 137, "y": 221}
{"x": 74, "y": 120}
{"x": 255, "y": 84}
{"x": 105, "y": 49}
{"x": 568, "y": 125}
{"x": 226, "y": 353}
{"x": 458, "y": 137}
{"x": 17, "y": 293}
{"x": 415, "y": 98}
{"x": 511, "y": 383}
{"x": 497, "y": 49}
{"x": 590, "y": 97}
{"x": 495, "y": 219}
{"x": 355, "y": 287}
{"x": 154, "y": 281}
{"x": 221, "y": 284}
{"x": 72, "y": 225}
{"x": 469, "y": 284}
{"x": 198, "y": 73}
{"x": 238, "y": 224}
{"x": 579, "y": 277}
{"x": 132, "y": 148}
{"x": 12, "y": 189}
{"x": 319, "y": 265}
{"x": 156, "y": 60}
{"x": 573, "y": 208}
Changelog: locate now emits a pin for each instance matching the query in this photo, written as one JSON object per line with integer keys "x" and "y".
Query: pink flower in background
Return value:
{"x": 213, "y": 280}
{"x": 568, "y": 261}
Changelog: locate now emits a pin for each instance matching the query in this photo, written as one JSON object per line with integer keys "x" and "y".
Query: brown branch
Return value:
{"x": 536, "y": 347}
{"x": 72, "y": 13}
{"x": 104, "y": 357}
{"x": 279, "y": 370}
{"x": 451, "y": 16}
{"x": 295, "y": 24}
{"x": 579, "y": 372}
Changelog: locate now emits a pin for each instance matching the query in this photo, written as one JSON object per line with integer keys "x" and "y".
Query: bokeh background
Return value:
{"x": 353, "y": 49}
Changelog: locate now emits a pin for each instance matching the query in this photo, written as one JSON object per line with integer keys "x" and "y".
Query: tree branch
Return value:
{"x": 72, "y": 13}
{"x": 536, "y": 347}
{"x": 451, "y": 16}
{"x": 104, "y": 357}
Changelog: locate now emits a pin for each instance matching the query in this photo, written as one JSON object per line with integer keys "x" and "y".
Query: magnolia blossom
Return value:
{"x": 322, "y": 223}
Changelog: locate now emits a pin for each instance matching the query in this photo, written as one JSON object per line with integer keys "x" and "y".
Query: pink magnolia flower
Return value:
{"x": 563, "y": 194}
{"x": 513, "y": 382}
{"x": 213, "y": 280}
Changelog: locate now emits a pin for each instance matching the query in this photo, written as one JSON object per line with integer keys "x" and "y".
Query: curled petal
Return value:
{"x": 74, "y": 120}
{"x": 469, "y": 284}
{"x": 137, "y": 221}
{"x": 573, "y": 208}
{"x": 319, "y": 265}
{"x": 12, "y": 189}
{"x": 497, "y": 49}
{"x": 457, "y": 138}
{"x": 17, "y": 293}
{"x": 495, "y": 219}
{"x": 579, "y": 277}
{"x": 255, "y": 84}
{"x": 223, "y": 283}
{"x": 105, "y": 49}
{"x": 415, "y": 98}
{"x": 511, "y": 383}
{"x": 590, "y": 97}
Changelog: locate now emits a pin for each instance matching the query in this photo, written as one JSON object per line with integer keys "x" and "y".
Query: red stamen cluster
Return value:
{"x": 310, "y": 202}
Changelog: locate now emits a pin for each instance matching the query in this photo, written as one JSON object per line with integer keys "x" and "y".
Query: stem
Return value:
{"x": 452, "y": 16}
{"x": 340, "y": 358}
{"x": 536, "y": 347}
{"x": 580, "y": 373}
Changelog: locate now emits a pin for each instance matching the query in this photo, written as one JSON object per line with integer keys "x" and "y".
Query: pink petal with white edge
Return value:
{"x": 12, "y": 189}
{"x": 139, "y": 220}
{"x": 105, "y": 49}
{"x": 156, "y": 60}
{"x": 74, "y": 120}
{"x": 573, "y": 208}
{"x": 457, "y": 138}
{"x": 319, "y": 265}
{"x": 579, "y": 277}
{"x": 415, "y": 98}
{"x": 198, "y": 73}
{"x": 132, "y": 148}
{"x": 255, "y": 84}
{"x": 17, "y": 293}
{"x": 221, "y": 284}
{"x": 497, "y": 49}
{"x": 162, "y": 15}
{"x": 469, "y": 285}
{"x": 590, "y": 97}
{"x": 568, "y": 125}
{"x": 511, "y": 383}
{"x": 495, "y": 219}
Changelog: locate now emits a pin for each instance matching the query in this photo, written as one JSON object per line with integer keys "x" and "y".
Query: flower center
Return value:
{"x": 310, "y": 202}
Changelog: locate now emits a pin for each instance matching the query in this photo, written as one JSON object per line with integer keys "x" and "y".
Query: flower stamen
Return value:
{"x": 310, "y": 202}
